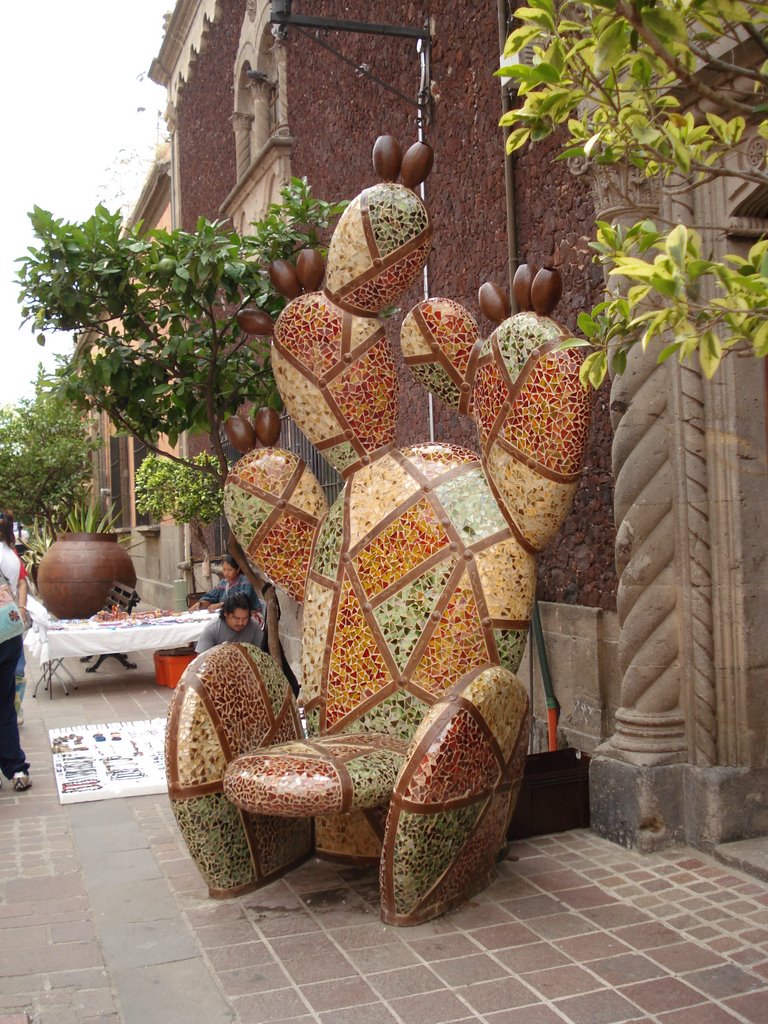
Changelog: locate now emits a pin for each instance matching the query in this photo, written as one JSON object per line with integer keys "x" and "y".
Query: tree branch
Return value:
{"x": 630, "y": 13}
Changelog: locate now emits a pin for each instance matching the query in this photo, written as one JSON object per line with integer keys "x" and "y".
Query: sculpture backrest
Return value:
{"x": 422, "y": 572}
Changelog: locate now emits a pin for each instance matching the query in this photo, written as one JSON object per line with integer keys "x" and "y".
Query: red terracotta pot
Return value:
{"x": 77, "y": 572}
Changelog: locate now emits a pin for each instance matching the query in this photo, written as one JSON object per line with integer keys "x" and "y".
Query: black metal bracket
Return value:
{"x": 281, "y": 15}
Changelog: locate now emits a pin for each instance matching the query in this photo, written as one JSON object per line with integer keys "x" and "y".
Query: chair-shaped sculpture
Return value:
{"x": 417, "y": 587}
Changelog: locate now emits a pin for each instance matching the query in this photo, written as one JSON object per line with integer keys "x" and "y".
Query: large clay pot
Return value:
{"x": 77, "y": 573}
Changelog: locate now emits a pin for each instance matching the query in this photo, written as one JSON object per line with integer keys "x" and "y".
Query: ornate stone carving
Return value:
{"x": 650, "y": 727}
{"x": 621, "y": 192}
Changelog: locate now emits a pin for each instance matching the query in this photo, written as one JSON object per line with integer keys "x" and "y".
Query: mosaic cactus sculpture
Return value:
{"x": 417, "y": 584}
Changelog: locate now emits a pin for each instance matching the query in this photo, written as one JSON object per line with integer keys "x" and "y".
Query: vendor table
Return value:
{"x": 80, "y": 638}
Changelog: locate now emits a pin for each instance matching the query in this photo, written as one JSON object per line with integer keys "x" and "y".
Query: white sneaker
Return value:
{"x": 20, "y": 716}
{"x": 21, "y": 781}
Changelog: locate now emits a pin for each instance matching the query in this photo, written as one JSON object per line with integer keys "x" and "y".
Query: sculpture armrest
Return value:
{"x": 454, "y": 797}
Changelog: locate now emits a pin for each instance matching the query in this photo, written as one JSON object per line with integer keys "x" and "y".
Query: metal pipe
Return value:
{"x": 513, "y": 255}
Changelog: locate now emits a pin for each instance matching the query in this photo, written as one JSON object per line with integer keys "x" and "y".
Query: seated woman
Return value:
{"x": 232, "y": 582}
{"x": 234, "y": 623}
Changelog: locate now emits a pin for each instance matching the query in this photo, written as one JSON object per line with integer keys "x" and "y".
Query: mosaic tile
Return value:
{"x": 502, "y": 703}
{"x": 417, "y": 588}
{"x": 462, "y": 765}
{"x": 471, "y": 506}
{"x": 351, "y": 836}
{"x": 212, "y": 829}
{"x": 348, "y": 254}
{"x": 316, "y": 627}
{"x": 305, "y": 401}
{"x": 326, "y": 775}
{"x": 397, "y": 714}
{"x": 397, "y": 216}
{"x": 400, "y": 547}
{"x": 510, "y": 644}
{"x": 246, "y": 513}
{"x": 467, "y": 825}
{"x": 508, "y": 576}
{"x": 357, "y": 671}
{"x": 457, "y": 644}
{"x": 535, "y": 505}
{"x": 231, "y": 698}
{"x": 342, "y": 377}
{"x": 387, "y": 223}
{"x": 310, "y": 330}
{"x": 423, "y": 848}
{"x": 375, "y": 492}
{"x": 203, "y": 760}
{"x": 404, "y": 616}
{"x": 435, "y": 460}
{"x": 285, "y": 553}
{"x": 521, "y": 335}
{"x": 325, "y": 560}
{"x": 287, "y": 491}
{"x": 367, "y": 396}
{"x": 549, "y": 418}
{"x": 474, "y": 866}
{"x": 244, "y": 688}
{"x": 437, "y": 338}
{"x": 341, "y": 456}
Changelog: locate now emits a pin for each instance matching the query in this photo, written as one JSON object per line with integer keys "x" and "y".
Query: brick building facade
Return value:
{"x": 334, "y": 114}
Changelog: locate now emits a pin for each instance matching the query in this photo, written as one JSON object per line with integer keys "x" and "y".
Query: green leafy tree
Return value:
{"x": 158, "y": 346}
{"x": 166, "y": 489}
{"x": 670, "y": 90}
{"x": 45, "y": 457}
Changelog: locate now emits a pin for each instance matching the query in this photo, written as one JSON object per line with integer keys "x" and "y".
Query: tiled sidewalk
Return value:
{"x": 105, "y": 919}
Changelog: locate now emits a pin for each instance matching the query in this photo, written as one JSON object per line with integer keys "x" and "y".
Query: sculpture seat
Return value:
{"x": 323, "y": 775}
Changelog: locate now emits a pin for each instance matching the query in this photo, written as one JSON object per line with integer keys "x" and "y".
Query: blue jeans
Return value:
{"x": 12, "y": 758}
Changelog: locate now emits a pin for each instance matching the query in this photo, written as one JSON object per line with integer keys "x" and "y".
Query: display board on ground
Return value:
{"x": 110, "y": 759}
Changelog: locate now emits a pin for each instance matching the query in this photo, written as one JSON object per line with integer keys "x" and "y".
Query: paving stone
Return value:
{"x": 487, "y": 996}
{"x": 141, "y": 943}
{"x": 726, "y": 980}
{"x": 566, "y": 922}
{"x": 174, "y": 993}
{"x": 604, "y": 1007}
{"x": 270, "y": 1007}
{"x": 753, "y": 1006}
{"x": 662, "y": 994}
{"x": 435, "y": 1008}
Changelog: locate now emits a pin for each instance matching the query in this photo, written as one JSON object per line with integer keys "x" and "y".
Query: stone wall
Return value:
{"x": 206, "y": 142}
{"x": 581, "y": 648}
{"x": 335, "y": 116}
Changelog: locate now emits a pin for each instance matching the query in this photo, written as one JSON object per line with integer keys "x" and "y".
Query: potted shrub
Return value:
{"x": 76, "y": 573}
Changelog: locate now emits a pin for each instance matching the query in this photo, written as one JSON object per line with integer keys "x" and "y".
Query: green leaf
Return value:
{"x": 710, "y": 353}
{"x": 594, "y": 369}
{"x": 760, "y": 340}
{"x": 610, "y": 44}
{"x": 619, "y": 361}
{"x": 677, "y": 243}
{"x": 667, "y": 25}
{"x": 586, "y": 324}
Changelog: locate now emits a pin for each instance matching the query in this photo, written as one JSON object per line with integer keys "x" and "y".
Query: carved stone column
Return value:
{"x": 242, "y": 125}
{"x": 280, "y": 55}
{"x": 650, "y": 724}
{"x": 671, "y": 771}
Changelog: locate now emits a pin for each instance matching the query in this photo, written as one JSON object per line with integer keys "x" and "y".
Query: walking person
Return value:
{"x": 13, "y": 762}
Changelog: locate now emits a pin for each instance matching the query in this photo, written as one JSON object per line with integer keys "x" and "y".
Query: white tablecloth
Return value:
{"x": 76, "y": 638}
